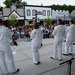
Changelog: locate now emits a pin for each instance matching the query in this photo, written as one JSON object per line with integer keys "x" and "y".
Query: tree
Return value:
{"x": 48, "y": 21}
{"x": 12, "y": 20}
{"x": 73, "y": 18}
{"x": 23, "y": 4}
{"x": 70, "y": 8}
{"x": 1, "y": 8}
{"x": 18, "y": 3}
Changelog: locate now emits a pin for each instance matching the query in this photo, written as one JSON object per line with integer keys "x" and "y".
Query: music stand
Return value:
{"x": 69, "y": 64}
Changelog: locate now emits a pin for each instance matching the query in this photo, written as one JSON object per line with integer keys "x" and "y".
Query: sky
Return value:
{"x": 46, "y": 2}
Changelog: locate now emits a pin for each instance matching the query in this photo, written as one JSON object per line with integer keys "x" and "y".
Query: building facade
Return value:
{"x": 31, "y": 12}
{"x": 16, "y": 12}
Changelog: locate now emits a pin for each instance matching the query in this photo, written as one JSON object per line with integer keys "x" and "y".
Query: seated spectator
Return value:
{"x": 14, "y": 42}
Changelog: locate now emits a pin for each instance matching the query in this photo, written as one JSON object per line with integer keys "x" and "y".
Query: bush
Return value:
{"x": 48, "y": 21}
{"x": 12, "y": 20}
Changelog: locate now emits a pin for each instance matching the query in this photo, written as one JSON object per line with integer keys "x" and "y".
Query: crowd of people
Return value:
{"x": 36, "y": 33}
{"x": 24, "y": 31}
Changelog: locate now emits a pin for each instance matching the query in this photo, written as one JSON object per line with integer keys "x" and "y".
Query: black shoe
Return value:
{"x": 37, "y": 63}
{"x": 53, "y": 58}
{"x": 16, "y": 71}
{"x": 73, "y": 43}
{"x": 66, "y": 54}
{"x": 41, "y": 44}
{"x": 70, "y": 54}
{"x": 64, "y": 41}
{"x": 60, "y": 59}
{"x": 6, "y": 74}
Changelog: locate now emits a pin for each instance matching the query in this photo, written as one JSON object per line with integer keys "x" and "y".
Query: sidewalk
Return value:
{"x": 23, "y": 60}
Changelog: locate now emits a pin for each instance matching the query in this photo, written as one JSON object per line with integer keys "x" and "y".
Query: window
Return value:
{"x": 28, "y": 12}
{"x": 48, "y": 13}
{"x": 44, "y": 12}
{"x": 33, "y": 12}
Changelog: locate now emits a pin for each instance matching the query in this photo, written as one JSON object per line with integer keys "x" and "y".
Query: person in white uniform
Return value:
{"x": 69, "y": 39}
{"x": 66, "y": 25}
{"x": 36, "y": 37}
{"x": 5, "y": 50}
{"x": 58, "y": 33}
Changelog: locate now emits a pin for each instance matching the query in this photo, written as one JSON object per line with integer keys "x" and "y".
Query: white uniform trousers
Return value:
{"x": 69, "y": 46}
{"x": 35, "y": 54}
{"x": 58, "y": 48}
{"x": 11, "y": 68}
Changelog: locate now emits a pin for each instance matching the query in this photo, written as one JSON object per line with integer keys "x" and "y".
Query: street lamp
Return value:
{"x": 24, "y": 13}
{"x": 35, "y": 15}
{"x": 64, "y": 18}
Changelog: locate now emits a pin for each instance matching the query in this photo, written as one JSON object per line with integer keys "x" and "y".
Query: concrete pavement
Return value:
{"x": 23, "y": 60}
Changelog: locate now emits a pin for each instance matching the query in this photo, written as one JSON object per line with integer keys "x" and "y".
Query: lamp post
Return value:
{"x": 35, "y": 15}
{"x": 24, "y": 13}
{"x": 64, "y": 18}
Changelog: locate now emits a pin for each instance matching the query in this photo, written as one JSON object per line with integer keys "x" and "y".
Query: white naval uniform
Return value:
{"x": 5, "y": 50}
{"x": 36, "y": 36}
{"x": 59, "y": 33}
{"x": 69, "y": 39}
{"x": 65, "y": 33}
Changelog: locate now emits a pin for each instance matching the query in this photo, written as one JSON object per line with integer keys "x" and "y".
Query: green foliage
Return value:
{"x": 48, "y": 21}
{"x": 7, "y": 3}
{"x": 70, "y": 8}
{"x": 73, "y": 18}
{"x": 1, "y": 8}
{"x": 23, "y": 4}
{"x": 12, "y": 20}
{"x": 18, "y": 3}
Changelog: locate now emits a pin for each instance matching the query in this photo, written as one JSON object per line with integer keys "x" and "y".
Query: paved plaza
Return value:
{"x": 23, "y": 60}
